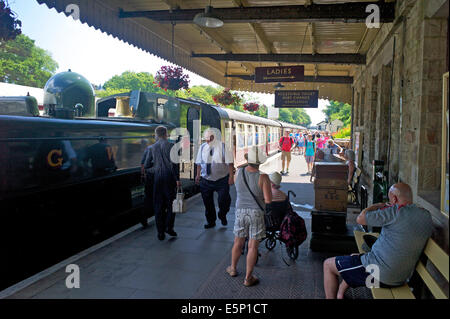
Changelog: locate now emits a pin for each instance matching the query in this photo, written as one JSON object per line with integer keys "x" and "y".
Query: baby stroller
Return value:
{"x": 279, "y": 212}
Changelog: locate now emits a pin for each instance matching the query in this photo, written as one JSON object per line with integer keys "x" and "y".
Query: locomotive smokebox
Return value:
{"x": 69, "y": 94}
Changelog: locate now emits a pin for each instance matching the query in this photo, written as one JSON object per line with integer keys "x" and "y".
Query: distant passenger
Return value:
{"x": 254, "y": 197}
{"x": 286, "y": 144}
{"x": 166, "y": 179}
{"x": 349, "y": 155}
{"x": 335, "y": 149}
{"x": 301, "y": 143}
{"x": 405, "y": 230}
{"x": 310, "y": 153}
{"x": 215, "y": 172}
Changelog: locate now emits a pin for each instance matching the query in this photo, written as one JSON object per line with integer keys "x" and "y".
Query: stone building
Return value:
{"x": 398, "y": 103}
{"x": 334, "y": 126}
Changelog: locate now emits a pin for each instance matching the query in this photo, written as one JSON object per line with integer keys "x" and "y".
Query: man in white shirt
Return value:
{"x": 215, "y": 173}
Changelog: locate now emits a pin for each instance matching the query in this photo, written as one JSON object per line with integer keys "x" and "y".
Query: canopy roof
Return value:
{"x": 328, "y": 37}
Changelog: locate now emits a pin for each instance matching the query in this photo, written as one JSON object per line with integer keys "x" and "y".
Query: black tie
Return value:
{"x": 208, "y": 165}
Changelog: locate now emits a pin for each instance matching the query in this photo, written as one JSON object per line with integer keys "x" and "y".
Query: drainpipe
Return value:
{"x": 353, "y": 112}
{"x": 390, "y": 111}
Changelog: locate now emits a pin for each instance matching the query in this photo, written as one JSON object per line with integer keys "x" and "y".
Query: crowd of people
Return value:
{"x": 395, "y": 253}
{"x": 306, "y": 143}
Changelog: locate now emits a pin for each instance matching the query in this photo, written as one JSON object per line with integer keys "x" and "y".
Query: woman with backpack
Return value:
{"x": 254, "y": 197}
{"x": 286, "y": 144}
{"x": 309, "y": 153}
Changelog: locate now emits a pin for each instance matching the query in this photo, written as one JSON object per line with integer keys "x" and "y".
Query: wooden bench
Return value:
{"x": 435, "y": 254}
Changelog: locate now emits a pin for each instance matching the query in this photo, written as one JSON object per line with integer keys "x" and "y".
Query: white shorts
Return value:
{"x": 249, "y": 223}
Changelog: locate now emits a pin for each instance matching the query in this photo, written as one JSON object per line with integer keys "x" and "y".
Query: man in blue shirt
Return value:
{"x": 406, "y": 230}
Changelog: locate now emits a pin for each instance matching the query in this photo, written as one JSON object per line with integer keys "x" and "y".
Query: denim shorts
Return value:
{"x": 249, "y": 223}
{"x": 352, "y": 270}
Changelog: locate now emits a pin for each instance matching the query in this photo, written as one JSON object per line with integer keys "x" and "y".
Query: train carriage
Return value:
{"x": 73, "y": 176}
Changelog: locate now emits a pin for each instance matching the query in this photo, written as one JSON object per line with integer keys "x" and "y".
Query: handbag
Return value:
{"x": 268, "y": 218}
{"x": 178, "y": 205}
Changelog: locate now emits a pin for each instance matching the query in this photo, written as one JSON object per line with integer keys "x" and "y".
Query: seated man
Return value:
{"x": 406, "y": 229}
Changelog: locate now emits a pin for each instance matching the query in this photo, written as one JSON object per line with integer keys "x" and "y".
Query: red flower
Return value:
{"x": 172, "y": 78}
{"x": 227, "y": 98}
{"x": 251, "y": 106}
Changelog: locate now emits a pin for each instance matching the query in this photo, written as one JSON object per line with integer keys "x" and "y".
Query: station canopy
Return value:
{"x": 330, "y": 38}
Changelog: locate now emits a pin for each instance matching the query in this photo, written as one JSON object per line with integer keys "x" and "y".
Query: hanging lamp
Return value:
{"x": 208, "y": 19}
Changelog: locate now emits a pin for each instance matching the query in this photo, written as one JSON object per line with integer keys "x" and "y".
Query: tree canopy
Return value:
{"x": 24, "y": 63}
{"x": 340, "y": 111}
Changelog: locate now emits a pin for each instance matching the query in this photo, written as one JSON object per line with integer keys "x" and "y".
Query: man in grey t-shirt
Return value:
{"x": 405, "y": 230}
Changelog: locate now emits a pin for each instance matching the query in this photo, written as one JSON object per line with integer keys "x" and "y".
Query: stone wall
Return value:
{"x": 412, "y": 52}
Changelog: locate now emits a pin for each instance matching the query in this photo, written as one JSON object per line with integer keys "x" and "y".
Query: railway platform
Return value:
{"x": 136, "y": 265}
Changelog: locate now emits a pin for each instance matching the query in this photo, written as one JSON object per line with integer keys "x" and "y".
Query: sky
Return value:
{"x": 98, "y": 56}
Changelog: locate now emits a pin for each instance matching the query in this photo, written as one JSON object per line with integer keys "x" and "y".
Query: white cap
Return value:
{"x": 275, "y": 178}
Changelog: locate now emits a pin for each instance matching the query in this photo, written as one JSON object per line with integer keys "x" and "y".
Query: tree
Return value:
{"x": 23, "y": 63}
{"x": 286, "y": 115}
{"x": 144, "y": 81}
{"x": 295, "y": 116}
{"x": 340, "y": 111}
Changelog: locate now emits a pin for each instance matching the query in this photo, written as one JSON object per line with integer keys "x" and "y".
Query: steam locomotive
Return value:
{"x": 72, "y": 177}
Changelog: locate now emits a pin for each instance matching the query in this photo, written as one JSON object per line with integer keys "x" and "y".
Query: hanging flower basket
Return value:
{"x": 9, "y": 25}
{"x": 227, "y": 98}
{"x": 172, "y": 78}
{"x": 251, "y": 107}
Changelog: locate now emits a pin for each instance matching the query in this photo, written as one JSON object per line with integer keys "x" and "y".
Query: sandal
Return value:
{"x": 232, "y": 272}
{"x": 251, "y": 281}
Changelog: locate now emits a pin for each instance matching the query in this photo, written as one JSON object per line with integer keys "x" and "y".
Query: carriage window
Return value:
{"x": 228, "y": 134}
{"x": 262, "y": 138}
{"x": 250, "y": 135}
{"x": 241, "y": 136}
{"x": 257, "y": 135}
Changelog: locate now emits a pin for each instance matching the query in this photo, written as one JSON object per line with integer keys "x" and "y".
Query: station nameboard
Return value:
{"x": 301, "y": 99}
{"x": 293, "y": 73}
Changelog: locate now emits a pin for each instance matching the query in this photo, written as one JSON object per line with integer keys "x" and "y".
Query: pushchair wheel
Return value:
{"x": 292, "y": 252}
{"x": 270, "y": 243}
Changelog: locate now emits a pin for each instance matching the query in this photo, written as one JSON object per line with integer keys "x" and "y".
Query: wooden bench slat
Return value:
{"x": 438, "y": 257}
{"x": 360, "y": 240}
{"x": 437, "y": 292}
{"x": 403, "y": 292}
{"x": 382, "y": 293}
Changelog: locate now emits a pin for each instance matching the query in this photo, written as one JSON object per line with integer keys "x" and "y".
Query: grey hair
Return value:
{"x": 350, "y": 155}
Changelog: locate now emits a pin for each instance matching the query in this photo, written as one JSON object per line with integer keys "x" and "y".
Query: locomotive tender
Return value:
{"x": 68, "y": 176}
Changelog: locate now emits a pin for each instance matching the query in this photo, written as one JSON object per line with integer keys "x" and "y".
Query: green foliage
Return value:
{"x": 343, "y": 133}
{"x": 295, "y": 116}
{"x": 340, "y": 111}
{"x": 23, "y": 63}
{"x": 144, "y": 81}
{"x": 130, "y": 81}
